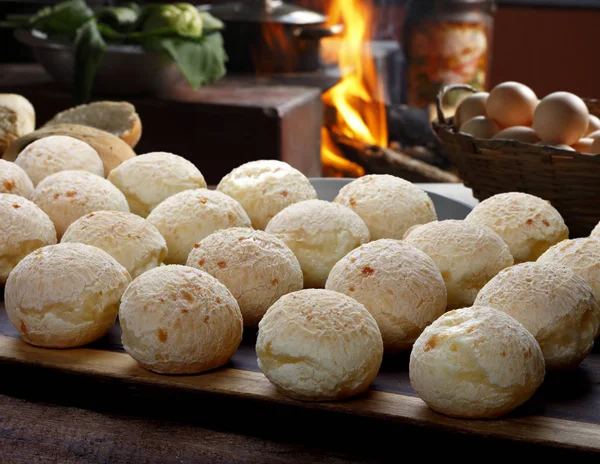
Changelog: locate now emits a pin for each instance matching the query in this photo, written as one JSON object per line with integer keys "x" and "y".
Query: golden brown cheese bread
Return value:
{"x": 118, "y": 118}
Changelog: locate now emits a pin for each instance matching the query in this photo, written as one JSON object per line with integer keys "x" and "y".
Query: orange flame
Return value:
{"x": 333, "y": 161}
{"x": 360, "y": 113}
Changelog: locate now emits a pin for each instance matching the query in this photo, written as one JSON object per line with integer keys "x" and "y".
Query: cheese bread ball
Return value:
{"x": 130, "y": 239}
{"x": 582, "y": 255}
{"x": 65, "y": 295}
{"x": 319, "y": 345}
{"x": 23, "y": 227}
{"x": 468, "y": 256}
{"x": 179, "y": 320}
{"x": 476, "y": 363}
{"x": 552, "y": 302}
{"x": 17, "y": 118}
{"x": 596, "y": 231}
{"x": 255, "y": 266}
{"x": 56, "y": 153}
{"x": 526, "y": 223}
{"x": 68, "y": 195}
{"x": 265, "y": 187}
{"x": 187, "y": 217}
{"x": 388, "y": 205}
{"x": 14, "y": 180}
{"x": 149, "y": 179}
{"x": 320, "y": 233}
{"x": 398, "y": 284}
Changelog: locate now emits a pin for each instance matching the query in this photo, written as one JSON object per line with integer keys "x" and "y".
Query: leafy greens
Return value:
{"x": 188, "y": 36}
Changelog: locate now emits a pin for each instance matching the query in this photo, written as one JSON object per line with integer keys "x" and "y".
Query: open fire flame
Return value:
{"x": 359, "y": 111}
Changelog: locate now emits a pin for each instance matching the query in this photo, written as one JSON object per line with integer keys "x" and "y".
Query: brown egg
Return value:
{"x": 480, "y": 127}
{"x": 511, "y": 104}
{"x": 583, "y": 145}
{"x": 561, "y": 118}
{"x": 470, "y": 107}
{"x": 595, "y": 148}
{"x": 593, "y": 125}
{"x": 562, "y": 146}
{"x": 518, "y": 133}
{"x": 594, "y": 135}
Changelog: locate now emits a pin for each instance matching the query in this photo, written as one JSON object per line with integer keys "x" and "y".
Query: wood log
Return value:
{"x": 409, "y": 130}
{"x": 379, "y": 160}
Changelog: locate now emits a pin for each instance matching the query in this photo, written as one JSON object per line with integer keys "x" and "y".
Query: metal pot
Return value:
{"x": 125, "y": 69}
{"x": 269, "y": 36}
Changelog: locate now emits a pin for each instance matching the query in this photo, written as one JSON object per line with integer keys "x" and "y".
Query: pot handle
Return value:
{"x": 318, "y": 32}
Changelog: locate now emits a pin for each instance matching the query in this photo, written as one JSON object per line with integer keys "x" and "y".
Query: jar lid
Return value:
{"x": 266, "y": 11}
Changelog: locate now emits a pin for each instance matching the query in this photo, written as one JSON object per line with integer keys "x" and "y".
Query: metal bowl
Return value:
{"x": 446, "y": 208}
{"x": 125, "y": 69}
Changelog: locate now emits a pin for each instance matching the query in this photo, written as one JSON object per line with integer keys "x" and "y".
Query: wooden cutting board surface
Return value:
{"x": 565, "y": 412}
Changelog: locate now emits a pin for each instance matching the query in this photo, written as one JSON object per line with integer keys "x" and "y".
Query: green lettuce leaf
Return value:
{"x": 89, "y": 51}
{"x": 63, "y": 19}
{"x": 201, "y": 62}
{"x": 210, "y": 23}
{"x": 123, "y": 18}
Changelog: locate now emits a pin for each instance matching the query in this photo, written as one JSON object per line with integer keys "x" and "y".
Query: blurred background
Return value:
{"x": 362, "y": 99}
{"x": 548, "y": 44}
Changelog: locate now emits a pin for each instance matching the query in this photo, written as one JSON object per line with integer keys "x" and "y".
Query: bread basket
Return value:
{"x": 570, "y": 181}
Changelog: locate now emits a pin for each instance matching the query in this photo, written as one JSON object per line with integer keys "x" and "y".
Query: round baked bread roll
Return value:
{"x": 187, "y": 217}
{"x": 320, "y": 233}
{"x": 68, "y": 195}
{"x": 14, "y": 180}
{"x": 255, "y": 266}
{"x": 56, "y": 153}
{"x": 23, "y": 227}
{"x": 117, "y": 117}
{"x": 131, "y": 240}
{"x": 388, "y": 205}
{"x": 398, "y": 284}
{"x": 149, "y": 179}
{"x": 265, "y": 187}
{"x": 596, "y": 231}
{"x": 17, "y": 118}
{"x": 468, "y": 256}
{"x": 179, "y": 320}
{"x": 319, "y": 345}
{"x": 65, "y": 295}
{"x": 552, "y": 302}
{"x": 526, "y": 223}
{"x": 581, "y": 255}
{"x": 476, "y": 363}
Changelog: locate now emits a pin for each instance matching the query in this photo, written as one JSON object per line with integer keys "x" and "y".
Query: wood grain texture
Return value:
{"x": 32, "y": 432}
{"x": 250, "y": 385}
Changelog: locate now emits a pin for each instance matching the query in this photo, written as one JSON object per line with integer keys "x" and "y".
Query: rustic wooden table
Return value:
{"x": 56, "y": 418}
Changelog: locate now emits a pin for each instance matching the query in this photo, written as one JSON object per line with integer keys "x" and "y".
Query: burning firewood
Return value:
{"x": 409, "y": 131}
{"x": 381, "y": 160}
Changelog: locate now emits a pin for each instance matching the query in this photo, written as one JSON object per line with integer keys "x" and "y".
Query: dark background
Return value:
{"x": 548, "y": 44}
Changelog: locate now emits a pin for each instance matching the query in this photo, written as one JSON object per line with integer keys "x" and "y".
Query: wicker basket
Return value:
{"x": 569, "y": 180}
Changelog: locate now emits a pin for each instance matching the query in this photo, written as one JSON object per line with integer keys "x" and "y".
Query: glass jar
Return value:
{"x": 446, "y": 42}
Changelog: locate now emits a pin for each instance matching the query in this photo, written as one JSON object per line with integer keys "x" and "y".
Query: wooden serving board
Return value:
{"x": 564, "y": 413}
